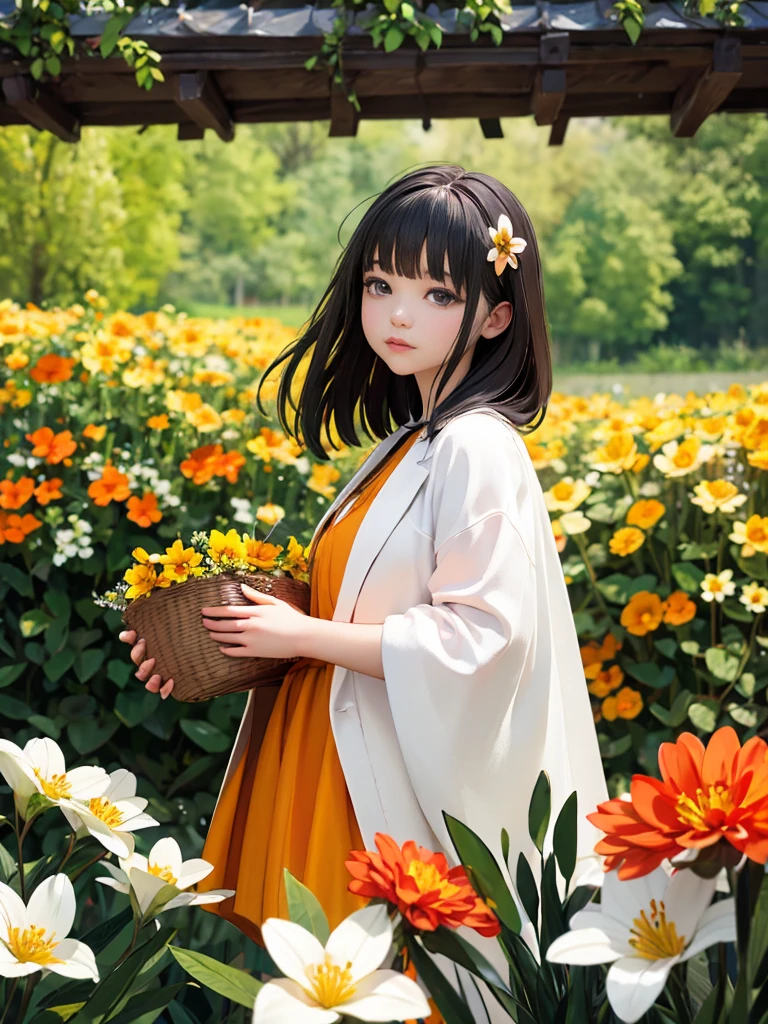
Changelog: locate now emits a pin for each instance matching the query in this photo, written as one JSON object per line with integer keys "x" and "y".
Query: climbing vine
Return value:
{"x": 39, "y": 30}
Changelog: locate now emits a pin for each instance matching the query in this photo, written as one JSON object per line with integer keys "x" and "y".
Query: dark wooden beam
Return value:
{"x": 200, "y": 98}
{"x": 557, "y": 132}
{"x": 491, "y": 127}
{"x": 39, "y": 108}
{"x": 548, "y": 93}
{"x": 188, "y": 131}
{"x": 703, "y": 94}
{"x": 344, "y": 118}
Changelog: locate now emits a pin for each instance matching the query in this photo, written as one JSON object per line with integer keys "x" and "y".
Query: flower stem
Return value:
{"x": 68, "y": 854}
{"x": 32, "y": 980}
{"x": 9, "y": 998}
{"x": 592, "y": 577}
{"x": 744, "y": 658}
{"x": 19, "y": 841}
{"x": 88, "y": 864}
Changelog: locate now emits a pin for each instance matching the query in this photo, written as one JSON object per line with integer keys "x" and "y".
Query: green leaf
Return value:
{"x": 677, "y": 714}
{"x": 688, "y": 576}
{"x": 460, "y": 951}
{"x": 33, "y": 622}
{"x": 615, "y": 588}
{"x": 86, "y": 737}
{"x": 87, "y": 664}
{"x": 119, "y": 672}
{"x": 483, "y": 872}
{"x": 10, "y": 673}
{"x": 198, "y": 768}
{"x": 132, "y": 706}
{"x": 56, "y": 666}
{"x": 744, "y": 716}
{"x": 46, "y": 725}
{"x": 746, "y": 685}
{"x": 690, "y": 647}
{"x": 16, "y": 709}
{"x": 53, "y": 65}
{"x": 649, "y": 673}
{"x": 668, "y": 647}
{"x": 304, "y": 908}
{"x": 564, "y": 838}
{"x": 639, "y": 583}
{"x": 237, "y": 986}
{"x": 703, "y": 715}
{"x": 393, "y": 38}
{"x": 539, "y": 811}
{"x": 722, "y": 663}
{"x": 20, "y": 581}
{"x": 614, "y": 747}
{"x": 527, "y": 890}
{"x": 453, "y": 1009}
{"x": 139, "y": 1006}
{"x": 205, "y": 735}
{"x": 693, "y": 552}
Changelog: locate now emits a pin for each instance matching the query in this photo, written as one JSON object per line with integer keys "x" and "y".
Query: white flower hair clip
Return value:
{"x": 504, "y": 244}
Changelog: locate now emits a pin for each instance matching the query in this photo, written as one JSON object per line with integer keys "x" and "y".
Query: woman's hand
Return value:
{"x": 270, "y": 628}
{"x": 138, "y": 650}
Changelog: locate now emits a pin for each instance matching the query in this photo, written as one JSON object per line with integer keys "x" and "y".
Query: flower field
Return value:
{"x": 122, "y": 432}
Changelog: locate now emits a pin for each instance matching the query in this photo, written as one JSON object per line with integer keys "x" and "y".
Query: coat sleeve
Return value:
{"x": 452, "y": 666}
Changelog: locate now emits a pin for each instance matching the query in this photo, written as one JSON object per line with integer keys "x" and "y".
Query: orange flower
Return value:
{"x": 144, "y": 510}
{"x": 15, "y": 494}
{"x": 54, "y": 448}
{"x": 713, "y": 799}
{"x": 593, "y": 654}
{"x": 160, "y": 422}
{"x": 645, "y": 514}
{"x": 14, "y": 528}
{"x": 52, "y": 369}
{"x": 626, "y": 540}
{"x": 627, "y": 703}
{"x": 679, "y": 608}
{"x": 605, "y": 682}
{"x": 96, "y": 433}
{"x": 48, "y": 490}
{"x": 421, "y": 885}
{"x": 643, "y": 613}
{"x": 112, "y": 486}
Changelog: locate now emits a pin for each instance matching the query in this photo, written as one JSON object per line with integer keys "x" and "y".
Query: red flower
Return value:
{"x": 421, "y": 885}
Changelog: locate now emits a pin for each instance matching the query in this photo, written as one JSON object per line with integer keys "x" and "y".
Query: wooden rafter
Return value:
{"x": 702, "y": 94}
{"x": 40, "y": 108}
{"x": 344, "y": 117}
{"x": 548, "y": 93}
{"x": 200, "y": 98}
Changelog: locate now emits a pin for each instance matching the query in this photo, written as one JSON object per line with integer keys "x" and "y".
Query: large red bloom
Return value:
{"x": 708, "y": 795}
{"x": 421, "y": 885}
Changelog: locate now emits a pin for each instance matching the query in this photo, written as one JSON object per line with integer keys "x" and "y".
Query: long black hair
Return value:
{"x": 451, "y": 210}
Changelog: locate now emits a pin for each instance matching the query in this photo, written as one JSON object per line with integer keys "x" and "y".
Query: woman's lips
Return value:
{"x": 397, "y": 346}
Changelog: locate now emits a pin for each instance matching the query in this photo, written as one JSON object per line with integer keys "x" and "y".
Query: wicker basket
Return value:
{"x": 170, "y": 621}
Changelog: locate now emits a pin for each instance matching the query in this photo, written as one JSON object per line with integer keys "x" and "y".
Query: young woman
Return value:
{"x": 440, "y": 666}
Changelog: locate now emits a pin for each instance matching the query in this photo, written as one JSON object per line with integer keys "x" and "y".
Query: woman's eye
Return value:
{"x": 371, "y": 283}
{"x": 441, "y": 295}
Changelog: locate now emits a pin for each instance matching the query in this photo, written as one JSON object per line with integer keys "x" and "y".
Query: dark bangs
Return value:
{"x": 346, "y": 384}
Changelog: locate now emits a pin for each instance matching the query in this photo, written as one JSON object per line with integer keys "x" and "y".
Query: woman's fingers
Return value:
{"x": 165, "y": 691}
{"x": 155, "y": 684}
{"x": 139, "y": 651}
{"x": 128, "y": 636}
{"x": 144, "y": 668}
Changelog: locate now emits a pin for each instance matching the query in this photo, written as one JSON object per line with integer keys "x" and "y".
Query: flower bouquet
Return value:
{"x": 161, "y": 597}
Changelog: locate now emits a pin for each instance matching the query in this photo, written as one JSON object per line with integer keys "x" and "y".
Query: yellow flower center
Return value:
{"x": 720, "y": 488}
{"x": 30, "y": 946}
{"x": 656, "y": 938}
{"x": 562, "y": 491}
{"x": 715, "y": 586}
{"x": 162, "y": 871}
{"x": 106, "y": 811}
{"x": 708, "y": 810}
{"x": 331, "y": 984}
{"x": 428, "y": 878}
{"x": 55, "y": 788}
{"x": 682, "y": 458}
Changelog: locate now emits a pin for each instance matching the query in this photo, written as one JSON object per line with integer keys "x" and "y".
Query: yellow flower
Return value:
{"x": 759, "y": 459}
{"x": 204, "y": 419}
{"x": 321, "y": 479}
{"x": 716, "y": 587}
{"x": 226, "y": 549}
{"x": 566, "y": 495}
{"x": 627, "y": 703}
{"x": 626, "y": 540}
{"x": 618, "y": 454}
{"x": 680, "y": 459}
{"x": 754, "y": 597}
{"x": 270, "y": 513}
{"x": 504, "y": 244}
{"x": 714, "y": 495}
{"x": 667, "y": 430}
{"x": 179, "y": 563}
{"x": 143, "y": 577}
{"x": 645, "y": 513}
{"x": 752, "y": 535}
{"x": 643, "y": 613}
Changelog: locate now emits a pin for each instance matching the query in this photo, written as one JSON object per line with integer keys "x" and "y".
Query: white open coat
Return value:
{"x": 484, "y": 685}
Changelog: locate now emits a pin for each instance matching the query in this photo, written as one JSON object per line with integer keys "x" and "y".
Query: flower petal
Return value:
{"x": 687, "y": 898}
{"x": 122, "y": 785}
{"x": 167, "y": 852}
{"x": 633, "y": 985}
{"x": 365, "y": 938}
{"x": 87, "y": 782}
{"x": 13, "y": 912}
{"x": 46, "y": 754}
{"x": 386, "y": 996}
{"x": 292, "y": 948}
{"x": 717, "y": 924}
{"x": 79, "y": 961}
{"x": 583, "y": 946}
{"x": 282, "y": 1000}
{"x": 52, "y": 906}
{"x": 192, "y": 871}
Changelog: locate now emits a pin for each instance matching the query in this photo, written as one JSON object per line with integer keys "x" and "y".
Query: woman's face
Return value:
{"x": 427, "y": 315}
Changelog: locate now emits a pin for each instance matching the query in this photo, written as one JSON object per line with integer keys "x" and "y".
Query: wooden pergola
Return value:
{"x": 233, "y": 63}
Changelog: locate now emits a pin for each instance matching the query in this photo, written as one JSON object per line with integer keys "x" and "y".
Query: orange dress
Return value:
{"x": 290, "y": 807}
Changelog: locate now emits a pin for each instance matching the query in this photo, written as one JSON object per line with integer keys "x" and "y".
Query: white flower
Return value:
{"x": 322, "y": 983}
{"x": 32, "y": 937}
{"x": 574, "y": 522}
{"x": 40, "y": 768}
{"x": 716, "y": 587}
{"x": 643, "y": 927}
{"x": 164, "y": 866}
{"x": 754, "y": 597}
{"x": 505, "y": 245}
{"x": 111, "y": 817}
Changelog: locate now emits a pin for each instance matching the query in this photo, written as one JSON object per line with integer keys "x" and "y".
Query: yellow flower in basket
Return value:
{"x": 226, "y": 549}
{"x": 143, "y": 577}
{"x": 179, "y": 563}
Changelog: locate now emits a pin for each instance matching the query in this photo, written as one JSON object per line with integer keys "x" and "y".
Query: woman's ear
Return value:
{"x": 497, "y": 320}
